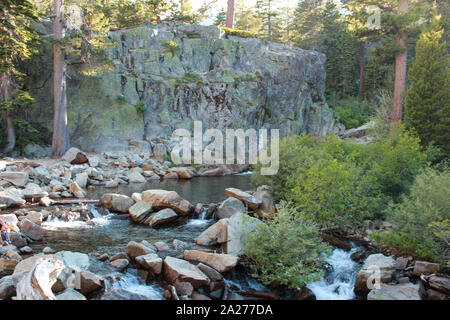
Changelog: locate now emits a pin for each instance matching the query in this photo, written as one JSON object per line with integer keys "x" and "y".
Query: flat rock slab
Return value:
{"x": 252, "y": 202}
{"x": 181, "y": 270}
{"x": 116, "y": 202}
{"x": 162, "y": 199}
{"x": 220, "y": 262}
{"x": 405, "y": 291}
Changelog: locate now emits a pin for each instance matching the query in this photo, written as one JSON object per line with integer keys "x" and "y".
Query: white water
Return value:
{"x": 55, "y": 223}
{"x": 130, "y": 283}
{"x": 339, "y": 284}
{"x": 247, "y": 173}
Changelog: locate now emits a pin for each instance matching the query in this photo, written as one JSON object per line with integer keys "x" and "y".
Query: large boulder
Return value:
{"x": 181, "y": 270}
{"x": 239, "y": 227}
{"x": 70, "y": 294}
{"x": 74, "y": 260}
{"x": 161, "y": 199}
{"x": 27, "y": 264}
{"x": 267, "y": 208}
{"x": 32, "y": 230}
{"x": 220, "y": 262}
{"x": 374, "y": 263}
{"x": 229, "y": 207}
{"x": 426, "y": 268}
{"x": 116, "y": 202}
{"x": 7, "y": 266}
{"x": 19, "y": 179}
{"x": 439, "y": 283}
{"x": 160, "y": 218}
{"x": 90, "y": 282}
{"x": 33, "y": 191}
{"x": 150, "y": 262}
{"x": 140, "y": 211}
{"x": 136, "y": 177}
{"x": 182, "y": 172}
{"x": 217, "y": 233}
{"x": 404, "y": 291}
{"x": 81, "y": 179}
{"x": 76, "y": 190}
{"x": 8, "y": 285}
{"x": 11, "y": 199}
{"x": 75, "y": 156}
{"x": 250, "y": 201}
{"x": 135, "y": 249}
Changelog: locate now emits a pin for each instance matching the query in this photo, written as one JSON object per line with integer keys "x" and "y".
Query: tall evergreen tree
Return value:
{"x": 267, "y": 12}
{"x": 16, "y": 37}
{"x": 397, "y": 19}
{"x": 427, "y": 107}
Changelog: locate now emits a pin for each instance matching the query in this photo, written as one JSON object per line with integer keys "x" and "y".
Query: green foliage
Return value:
{"x": 322, "y": 28}
{"x": 427, "y": 107}
{"x": 422, "y": 219}
{"x": 140, "y": 107}
{"x": 287, "y": 250}
{"x": 238, "y": 33}
{"x": 171, "y": 47}
{"x": 353, "y": 112}
{"x": 190, "y": 77}
{"x": 270, "y": 23}
{"x": 335, "y": 181}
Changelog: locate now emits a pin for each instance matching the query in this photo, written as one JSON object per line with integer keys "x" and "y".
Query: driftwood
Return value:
{"x": 74, "y": 201}
{"x": 259, "y": 294}
{"x": 37, "y": 285}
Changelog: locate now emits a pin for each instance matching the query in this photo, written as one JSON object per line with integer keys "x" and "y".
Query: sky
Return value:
{"x": 222, "y": 4}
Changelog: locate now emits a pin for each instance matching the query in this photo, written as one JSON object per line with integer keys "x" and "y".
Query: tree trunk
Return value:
{"x": 60, "y": 141}
{"x": 400, "y": 68}
{"x": 362, "y": 69}
{"x": 230, "y": 14}
{"x": 5, "y": 84}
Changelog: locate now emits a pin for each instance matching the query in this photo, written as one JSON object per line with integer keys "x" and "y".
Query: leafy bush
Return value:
{"x": 140, "y": 107}
{"x": 422, "y": 219}
{"x": 353, "y": 112}
{"x": 238, "y": 33}
{"x": 287, "y": 249}
{"x": 171, "y": 47}
{"x": 335, "y": 181}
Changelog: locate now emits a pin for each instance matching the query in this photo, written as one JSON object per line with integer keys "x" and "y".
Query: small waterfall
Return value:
{"x": 130, "y": 283}
{"x": 98, "y": 219}
{"x": 337, "y": 285}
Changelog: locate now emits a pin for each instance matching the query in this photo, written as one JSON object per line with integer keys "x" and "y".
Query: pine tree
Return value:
{"x": 247, "y": 18}
{"x": 268, "y": 14}
{"x": 427, "y": 107}
{"x": 221, "y": 18}
{"x": 16, "y": 38}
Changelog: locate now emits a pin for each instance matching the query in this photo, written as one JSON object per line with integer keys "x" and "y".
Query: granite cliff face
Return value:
{"x": 166, "y": 76}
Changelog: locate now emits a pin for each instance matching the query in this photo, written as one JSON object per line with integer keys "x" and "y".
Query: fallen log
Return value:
{"x": 74, "y": 201}
{"x": 37, "y": 285}
{"x": 335, "y": 241}
{"x": 259, "y": 294}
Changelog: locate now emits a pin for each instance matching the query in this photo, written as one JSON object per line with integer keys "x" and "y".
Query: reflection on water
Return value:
{"x": 196, "y": 190}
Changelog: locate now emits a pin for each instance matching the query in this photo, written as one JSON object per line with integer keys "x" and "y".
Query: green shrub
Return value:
{"x": 335, "y": 181}
{"x": 238, "y": 33}
{"x": 353, "y": 112}
{"x": 171, "y": 47}
{"x": 287, "y": 250}
{"x": 422, "y": 219}
{"x": 140, "y": 107}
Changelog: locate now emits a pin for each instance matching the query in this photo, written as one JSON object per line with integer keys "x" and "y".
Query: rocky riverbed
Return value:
{"x": 141, "y": 241}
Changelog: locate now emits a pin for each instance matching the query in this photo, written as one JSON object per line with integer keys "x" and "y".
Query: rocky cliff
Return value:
{"x": 165, "y": 76}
